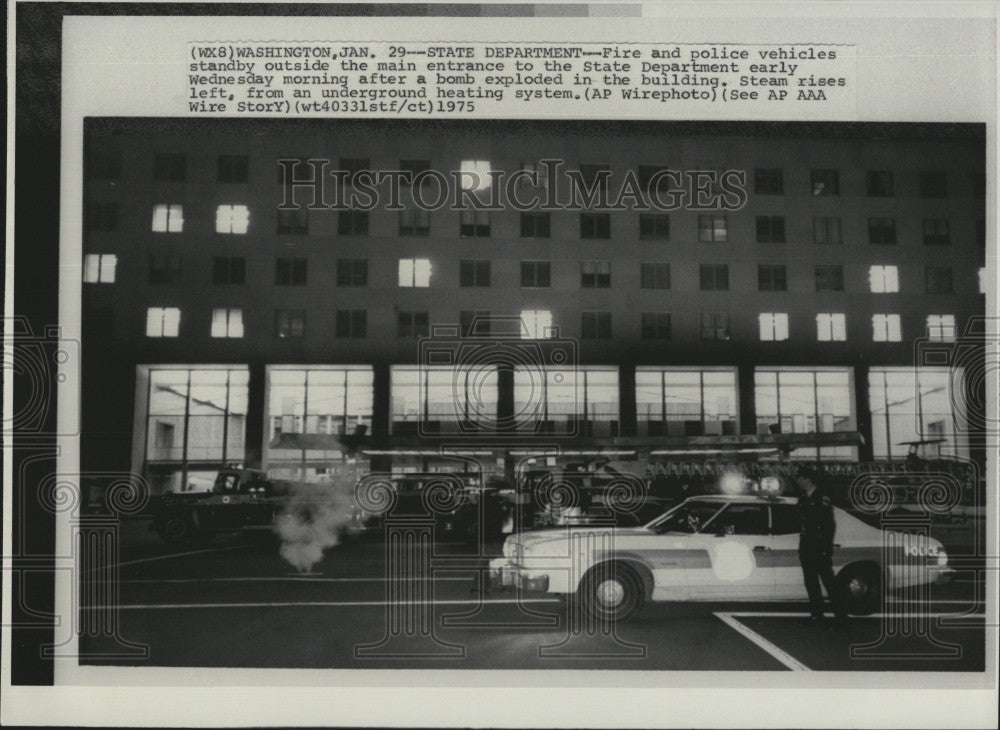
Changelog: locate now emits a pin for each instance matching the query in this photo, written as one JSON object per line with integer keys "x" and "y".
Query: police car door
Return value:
{"x": 785, "y": 525}
{"x": 732, "y": 561}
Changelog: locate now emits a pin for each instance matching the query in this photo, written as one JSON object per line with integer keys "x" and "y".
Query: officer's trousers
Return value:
{"x": 818, "y": 567}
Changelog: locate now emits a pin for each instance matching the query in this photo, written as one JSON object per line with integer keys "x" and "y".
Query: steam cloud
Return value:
{"x": 315, "y": 519}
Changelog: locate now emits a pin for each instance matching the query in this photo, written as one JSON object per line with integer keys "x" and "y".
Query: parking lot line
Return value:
{"x": 321, "y": 604}
{"x": 291, "y": 578}
{"x": 780, "y": 654}
{"x": 157, "y": 558}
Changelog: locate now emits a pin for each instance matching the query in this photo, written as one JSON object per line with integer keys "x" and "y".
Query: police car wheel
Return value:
{"x": 176, "y": 529}
{"x": 612, "y": 593}
{"x": 861, "y": 588}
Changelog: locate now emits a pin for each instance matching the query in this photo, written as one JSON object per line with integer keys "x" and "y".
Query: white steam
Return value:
{"x": 315, "y": 518}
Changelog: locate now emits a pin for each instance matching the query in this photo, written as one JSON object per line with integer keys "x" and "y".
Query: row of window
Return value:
{"x": 235, "y": 219}
{"x": 537, "y": 324}
{"x": 172, "y": 167}
{"x": 417, "y": 273}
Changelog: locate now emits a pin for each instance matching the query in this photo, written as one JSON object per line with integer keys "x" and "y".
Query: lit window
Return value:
{"x": 412, "y": 324}
{"x": 654, "y": 226}
{"x": 579, "y": 399}
{"x": 654, "y": 276}
{"x": 99, "y": 268}
{"x": 289, "y": 323}
{"x": 415, "y": 272}
{"x": 595, "y": 225}
{"x": 673, "y": 402}
{"x": 715, "y": 326}
{"x": 713, "y": 228}
{"x": 773, "y": 326}
{"x": 883, "y": 279}
{"x": 831, "y": 327}
{"x": 918, "y": 403}
{"x": 656, "y": 325}
{"x": 352, "y": 323}
{"x": 536, "y": 324}
{"x": 595, "y": 325}
{"x": 825, "y": 182}
{"x": 799, "y": 400}
{"x": 475, "y": 175}
{"x": 830, "y": 277}
{"x": 293, "y": 221}
{"x": 595, "y": 274}
{"x": 770, "y": 229}
{"x": 886, "y": 328}
{"x": 536, "y": 273}
{"x": 826, "y": 230}
{"x": 536, "y": 224}
{"x": 936, "y": 232}
{"x": 232, "y": 219}
{"x": 475, "y": 223}
{"x": 168, "y": 218}
{"x": 941, "y": 327}
{"x": 163, "y": 321}
{"x": 227, "y": 323}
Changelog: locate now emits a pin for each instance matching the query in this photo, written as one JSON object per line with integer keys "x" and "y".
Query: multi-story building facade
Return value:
{"x": 221, "y": 326}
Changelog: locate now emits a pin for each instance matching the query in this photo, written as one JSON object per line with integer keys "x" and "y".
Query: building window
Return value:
{"x": 352, "y": 166}
{"x": 595, "y": 274}
{"x": 681, "y": 402}
{"x": 773, "y": 326}
{"x": 104, "y": 166}
{"x": 654, "y": 276}
{"x": 883, "y": 279}
{"x": 229, "y": 270}
{"x": 793, "y": 400}
{"x": 715, "y": 326}
{"x": 979, "y": 185}
{"x": 289, "y": 323}
{"x": 936, "y": 232}
{"x": 830, "y": 277}
{"x": 656, "y": 326}
{"x": 938, "y": 280}
{"x": 595, "y": 225}
{"x": 227, "y": 323}
{"x": 536, "y": 324}
{"x": 911, "y": 404}
{"x": 352, "y": 272}
{"x": 474, "y": 223}
{"x": 882, "y": 230}
{"x": 595, "y": 325}
{"x": 713, "y": 228}
{"x": 770, "y": 229}
{"x": 475, "y": 323}
{"x": 164, "y": 269}
{"x": 714, "y": 277}
{"x": 163, "y": 322}
{"x": 290, "y": 272}
{"x": 831, "y": 327}
{"x": 168, "y": 218}
{"x": 768, "y": 181}
{"x": 293, "y": 221}
{"x": 825, "y": 182}
{"x": 886, "y": 328}
{"x": 826, "y": 230}
{"x": 414, "y": 222}
{"x": 581, "y": 400}
{"x": 475, "y": 175}
{"x": 654, "y": 226}
{"x": 879, "y": 183}
{"x": 414, "y": 167}
{"x": 169, "y": 167}
{"x": 99, "y": 268}
{"x": 933, "y": 184}
{"x": 772, "y": 277}
{"x": 474, "y": 273}
{"x": 536, "y": 273}
{"x": 234, "y": 168}
{"x": 536, "y": 224}
{"x": 430, "y": 400}
{"x": 232, "y": 219}
{"x": 412, "y": 324}
{"x": 352, "y": 323}
{"x": 941, "y": 327}
{"x": 595, "y": 177}
{"x": 102, "y": 216}
{"x": 415, "y": 272}
{"x": 352, "y": 223}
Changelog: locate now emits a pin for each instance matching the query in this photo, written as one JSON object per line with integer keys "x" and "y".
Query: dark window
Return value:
{"x": 714, "y": 326}
{"x": 102, "y": 216}
{"x": 414, "y": 222}
{"x": 353, "y": 165}
{"x": 352, "y": 323}
{"x": 654, "y": 276}
{"x": 164, "y": 269}
{"x": 654, "y": 226}
{"x": 301, "y": 170}
{"x": 590, "y": 174}
{"x": 595, "y": 325}
{"x": 289, "y": 323}
{"x": 475, "y": 223}
{"x": 352, "y": 272}
{"x": 882, "y": 230}
{"x": 352, "y": 223}
{"x": 646, "y": 175}
{"x": 536, "y": 273}
{"x": 595, "y": 225}
{"x": 770, "y": 229}
{"x": 772, "y": 277}
{"x": 474, "y": 273}
{"x": 595, "y": 274}
{"x": 536, "y": 224}
{"x": 713, "y": 228}
{"x": 768, "y": 181}
{"x": 739, "y": 519}
{"x": 104, "y": 166}
{"x": 937, "y": 232}
{"x": 234, "y": 168}
{"x": 415, "y": 167}
{"x": 933, "y": 184}
{"x": 714, "y": 277}
{"x": 830, "y": 277}
{"x": 979, "y": 185}
{"x": 229, "y": 270}
{"x": 295, "y": 221}
{"x": 656, "y": 325}
{"x": 290, "y": 272}
{"x": 826, "y": 230}
{"x": 169, "y": 167}
{"x": 825, "y": 182}
{"x": 879, "y": 183}
{"x": 475, "y": 323}
{"x": 939, "y": 280}
{"x": 412, "y": 324}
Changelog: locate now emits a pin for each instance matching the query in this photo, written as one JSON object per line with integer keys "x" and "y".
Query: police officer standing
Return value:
{"x": 816, "y": 544}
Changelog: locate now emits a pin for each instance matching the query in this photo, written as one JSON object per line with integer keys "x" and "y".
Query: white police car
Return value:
{"x": 713, "y": 548}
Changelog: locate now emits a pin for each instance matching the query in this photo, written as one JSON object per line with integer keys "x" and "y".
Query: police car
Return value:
{"x": 718, "y": 547}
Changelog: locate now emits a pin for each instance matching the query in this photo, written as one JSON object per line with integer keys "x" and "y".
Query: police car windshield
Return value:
{"x": 686, "y": 518}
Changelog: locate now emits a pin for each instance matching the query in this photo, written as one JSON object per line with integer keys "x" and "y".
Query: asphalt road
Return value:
{"x": 237, "y": 603}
